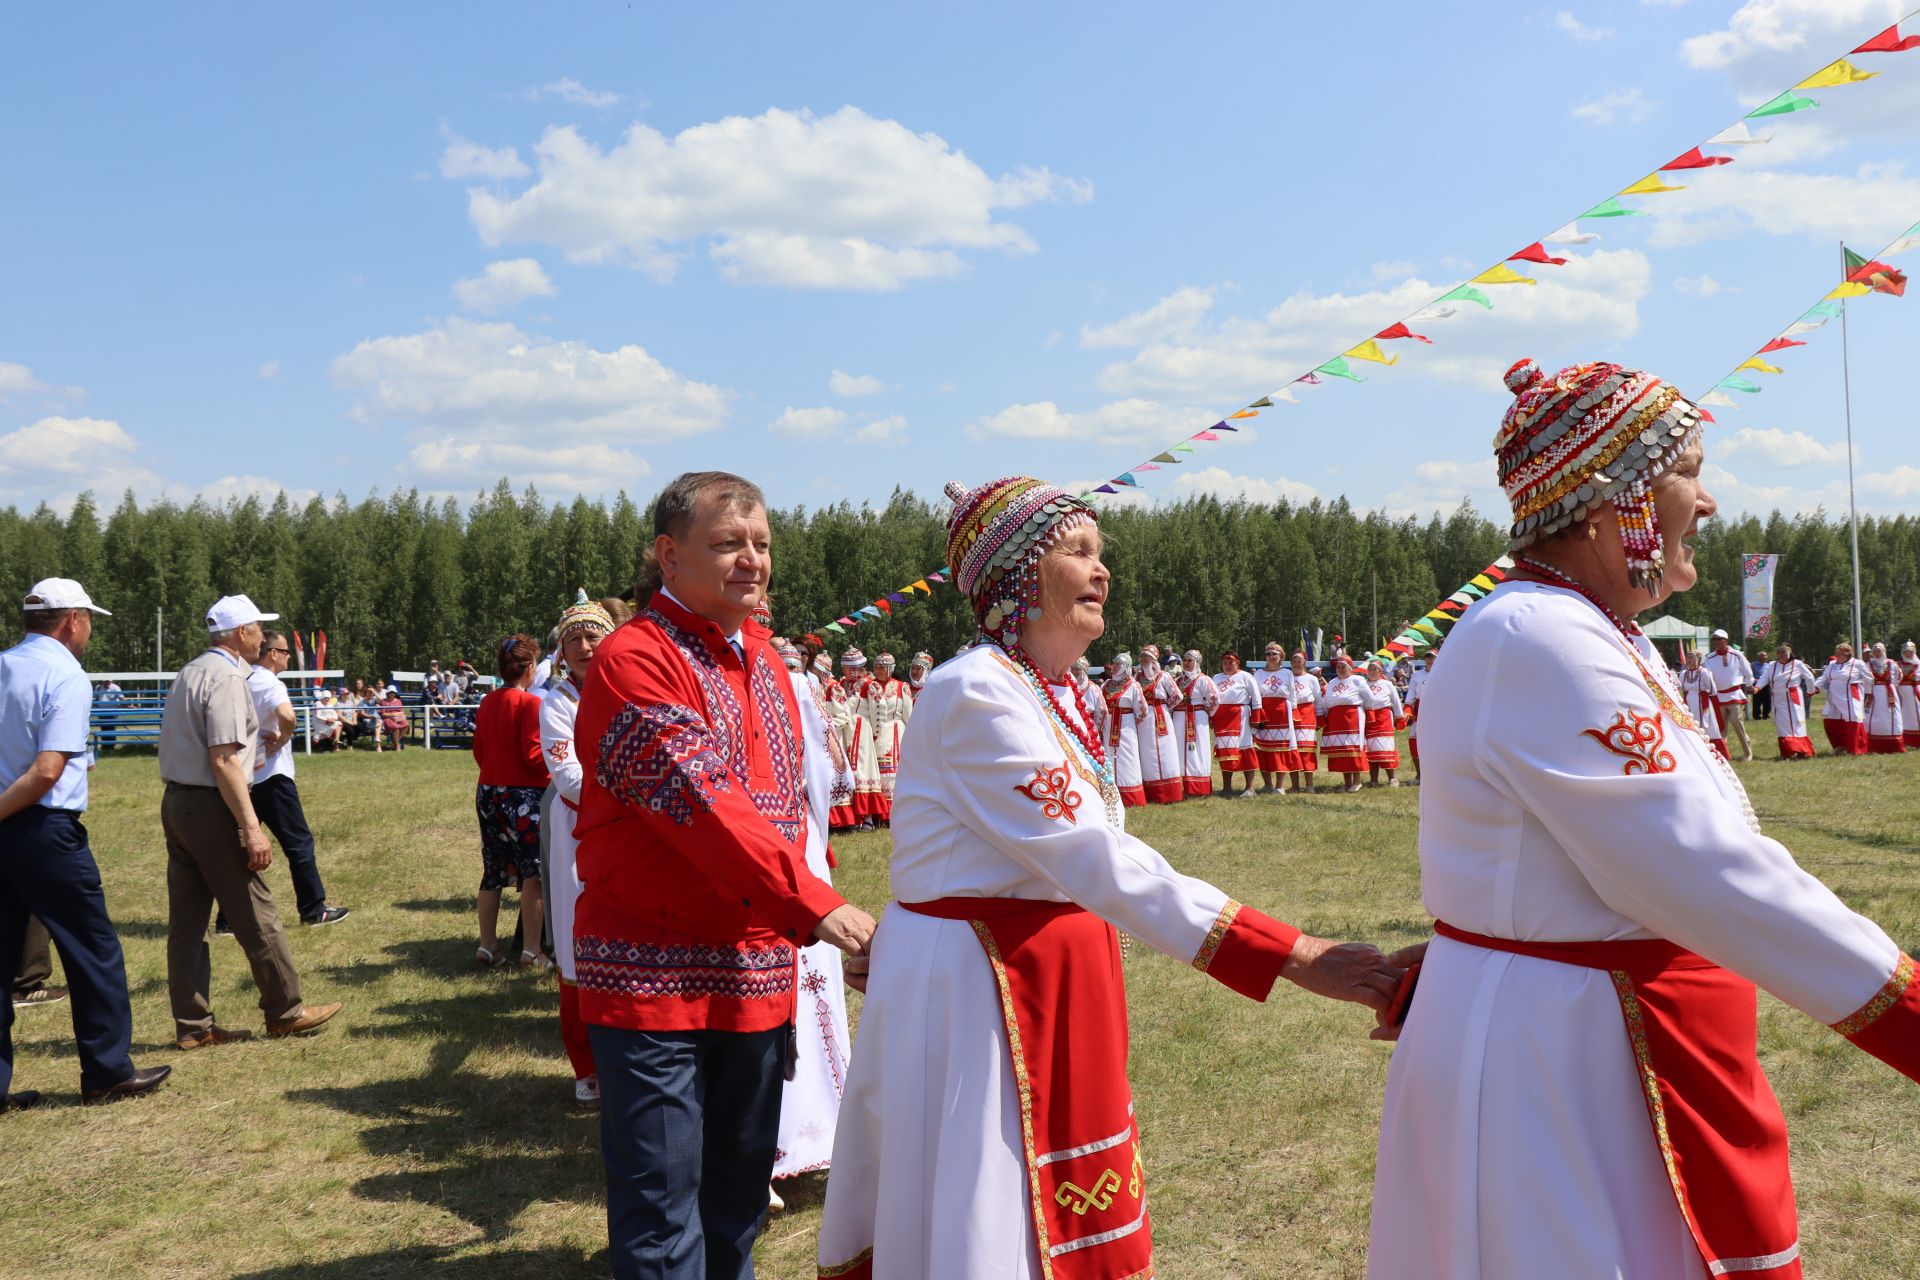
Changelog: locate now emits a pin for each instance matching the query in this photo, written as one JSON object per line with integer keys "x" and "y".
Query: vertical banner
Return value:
{"x": 1756, "y": 596}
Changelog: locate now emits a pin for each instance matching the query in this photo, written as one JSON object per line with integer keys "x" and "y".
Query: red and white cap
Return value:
{"x": 230, "y": 612}
{"x": 49, "y": 594}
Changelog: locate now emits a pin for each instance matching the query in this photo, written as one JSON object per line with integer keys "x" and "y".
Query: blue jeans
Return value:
{"x": 46, "y": 869}
{"x": 688, "y": 1124}
{"x": 277, "y": 801}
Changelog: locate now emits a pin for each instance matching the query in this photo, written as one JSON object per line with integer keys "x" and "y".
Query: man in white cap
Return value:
{"x": 46, "y": 868}
{"x": 1732, "y": 683}
{"x": 209, "y": 732}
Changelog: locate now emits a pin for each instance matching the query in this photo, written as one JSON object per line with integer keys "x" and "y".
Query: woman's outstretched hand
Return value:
{"x": 1353, "y": 971}
{"x": 1405, "y": 959}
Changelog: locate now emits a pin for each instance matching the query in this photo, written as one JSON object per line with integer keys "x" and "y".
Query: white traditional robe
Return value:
{"x": 1910, "y": 701}
{"x": 559, "y": 704}
{"x": 1337, "y": 741}
{"x": 1306, "y": 702}
{"x": 1790, "y": 717}
{"x": 1161, "y": 768}
{"x": 1883, "y": 702}
{"x": 929, "y": 1169}
{"x": 1845, "y": 686}
{"x": 887, "y": 705}
{"x": 1731, "y": 672}
{"x": 1699, "y": 688}
{"x": 1275, "y": 692}
{"x": 1193, "y": 731}
{"x": 838, "y": 711}
{"x": 1241, "y": 690}
{"x": 1515, "y": 1141}
{"x": 810, "y": 1102}
{"x": 1382, "y": 696}
{"x": 1125, "y": 706}
{"x": 869, "y": 799}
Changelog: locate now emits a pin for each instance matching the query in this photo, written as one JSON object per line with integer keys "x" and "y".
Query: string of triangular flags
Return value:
{"x": 1839, "y": 72}
{"x": 1861, "y": 276}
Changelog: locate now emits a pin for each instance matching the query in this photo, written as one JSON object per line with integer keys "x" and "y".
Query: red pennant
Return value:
{"x": 1881, "y": 278}
{"x": 1537, "y": 252}
{"x": 1890, "y": 41}
{"x": 1694, "y": 160}
{"x": 1780, "y": 344}
{"x": 1705, "y": 414}
{"x": 1400, "y": 330}
{"x": 883, "y": 606}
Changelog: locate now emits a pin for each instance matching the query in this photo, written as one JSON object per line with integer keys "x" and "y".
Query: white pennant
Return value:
{"x": 1571, "y": 234}
{"x": 1738, "y": 135}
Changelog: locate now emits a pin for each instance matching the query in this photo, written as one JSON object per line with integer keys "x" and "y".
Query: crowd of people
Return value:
{"x": 662, "y": 797}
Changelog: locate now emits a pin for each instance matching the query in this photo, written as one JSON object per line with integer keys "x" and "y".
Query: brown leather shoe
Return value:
{"x": 311, "y": 1018}
{"x": 213, "y": 1036}
{"x": 144, "y": 1080}
{"x": 19, "y": 1100}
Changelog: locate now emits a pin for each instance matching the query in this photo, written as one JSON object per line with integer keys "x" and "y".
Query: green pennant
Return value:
{"x": 1338, "y": 368}
{"x": 1785, "y": 104}
{"x": 1467, "y": 293}
{"x": 835, "y": 627}
{"x": 1612, "y": 208}
{"x": 1737, "y": 383}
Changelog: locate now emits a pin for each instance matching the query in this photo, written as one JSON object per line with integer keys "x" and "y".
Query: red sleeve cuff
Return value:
{"x": 1245, "y": 950}
{"x": 814, "y": 902}
{"x": 1888, "y": 1026}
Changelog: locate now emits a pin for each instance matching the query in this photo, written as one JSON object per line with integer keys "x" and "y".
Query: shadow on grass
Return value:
{"x": 546, "y": 1264}
{"x": 460, "y": 904}
{"x": 1871, "y": 839}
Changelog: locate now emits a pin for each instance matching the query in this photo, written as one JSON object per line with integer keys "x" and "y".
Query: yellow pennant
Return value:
{"x": 1482, "y": 581}
{"x": 1244, "y": 413}
{"x": 1838, "y": 73}
{"x": 1650, "y": 186}
{"x": 1851, "y": 289}
{"x": 1370, "y": 350}
{"x": 1761, "y": 366}
{"x": 921, "y": 585}
{"x": 1502, "y": 274}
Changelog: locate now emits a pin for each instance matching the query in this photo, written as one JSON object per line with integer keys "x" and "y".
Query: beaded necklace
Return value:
{"x": 1560, "y": 579}
{"x": 1082, "y": 729}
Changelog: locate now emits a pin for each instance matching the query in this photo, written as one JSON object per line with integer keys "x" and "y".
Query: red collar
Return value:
{"x": 753, "y": 636}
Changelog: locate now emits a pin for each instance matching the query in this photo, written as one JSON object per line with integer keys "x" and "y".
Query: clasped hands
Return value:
{"x": 850, "y": 929}
{"x": 1355, "y": 971}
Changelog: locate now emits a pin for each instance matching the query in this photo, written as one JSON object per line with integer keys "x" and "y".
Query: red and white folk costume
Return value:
{"x": 1845, "y": 715}
{"x": 1792, "y": 685}
{"x": 869, "y": 800}
{"x": 988, "y": 1127}
{"x": 1910, "y": 700}
{"x": 1125, "y": 708}
{"x": 1577, "y": 1090}
{"x": 1306, "y": 721}
{"x": 886, "y": 706}
{"x": 1697, "y": 684}
{"x": 1233, "y": 716}
{"x": 1161, "y": 765}
{"x": 1384, "y": 716}
{"x": 838, "y": 712}
{"x": 1193, "y": 728}
{"x": 1275, "y": 724}
{"x": 1883, "y": 708}
{"x": 1343, "y": 737}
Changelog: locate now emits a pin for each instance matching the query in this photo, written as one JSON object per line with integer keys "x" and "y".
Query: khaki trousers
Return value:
{"x": 1733, "y": 719}
{"x": 205, "y": 865}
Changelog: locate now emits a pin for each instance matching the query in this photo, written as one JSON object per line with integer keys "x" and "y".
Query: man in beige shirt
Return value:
{"x": 215, "y": 847}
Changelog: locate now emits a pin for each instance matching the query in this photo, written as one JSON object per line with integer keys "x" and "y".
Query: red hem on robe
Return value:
{"x": 1164, "y": 791}
{"x": 1885, "y": 744}
{"x": 1796, "y": 748}
{"x": 1912, "y": 738}
{"x": 1846, "y": 737}
{"x": 1199, "y": 788}
{"x": 1133, "y": 797}
{"x": 1279, "y": 761}
{"x": 1228, "y": 758}
{"x": 1383, "y": 759}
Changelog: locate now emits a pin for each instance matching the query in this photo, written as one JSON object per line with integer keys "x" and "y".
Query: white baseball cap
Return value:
{"x": 49, "y": 594}
{"x": 1719, "y": 635}
{"x": 229, "y": 612}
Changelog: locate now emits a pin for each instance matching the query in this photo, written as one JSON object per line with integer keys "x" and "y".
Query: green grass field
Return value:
{"x": 429, "y": 1129}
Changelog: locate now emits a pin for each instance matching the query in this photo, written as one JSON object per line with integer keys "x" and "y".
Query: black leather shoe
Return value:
{"x": 143, "y": 1080}
{"x": 19, "y": 1101}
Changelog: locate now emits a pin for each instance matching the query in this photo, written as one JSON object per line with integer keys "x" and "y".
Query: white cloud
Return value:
{"x": 1866, "y": 207}
{"x": 503, "y": 285}
{"x": 587, "y": 467}
{"x": 1901, "y": 484}
{"x": 1778, "y": 448}
{"x": 1220, "y": 483}
{"x": 1781, "y": 26}
{"x": 1174, "y": 314}
{"x": 239, "y": 489}
{"x": 498, "y": 386}
{"x": 855, "y": 384}
{"x": 808, "y": 424}
{"x": 67, "y": 449}
{"x": 1736, "y": 497}
{"x": 567, "y": 89}
{"x": 1439, "y": 485}
{"x": 1130, "y": 421}
{"x": 1580, "y": 30}
{"x": 1594, "y": 297}
{"x": 890, "y": 430}
{"x": 464, "y": 159}
{"x": 1379, "y": 273}
{"x": 784, "y": 198}
{"x": 17, "y": 379}
{"x": 1630, "y": 105}
{"x": 1701, "y": 286}
{"x": 269, "y": 370}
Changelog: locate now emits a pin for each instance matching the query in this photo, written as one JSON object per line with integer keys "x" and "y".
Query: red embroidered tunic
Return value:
{"x": 692, "y": 830}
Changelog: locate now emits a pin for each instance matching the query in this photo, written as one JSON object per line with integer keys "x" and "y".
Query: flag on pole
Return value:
{"x": 1756, "y": 595}
{"x": 1877, "y": 276}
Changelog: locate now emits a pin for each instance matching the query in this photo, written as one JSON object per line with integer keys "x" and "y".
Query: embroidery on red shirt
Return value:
{"x": 1053, "y": 790}
{"x": 1641, "y": 739}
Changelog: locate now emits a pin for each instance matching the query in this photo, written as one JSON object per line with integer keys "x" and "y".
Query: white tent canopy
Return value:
{"x": 1669, "y": 627}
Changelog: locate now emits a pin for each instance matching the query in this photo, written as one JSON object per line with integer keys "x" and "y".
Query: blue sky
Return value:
{"x": 429, "y": 245}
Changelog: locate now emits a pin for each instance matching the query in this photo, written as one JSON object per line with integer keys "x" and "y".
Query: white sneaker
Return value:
{"x": 587, "y": 1092}
{"x": 774, "y": 1203}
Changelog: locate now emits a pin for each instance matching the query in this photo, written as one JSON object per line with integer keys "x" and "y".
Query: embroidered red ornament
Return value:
{"x": 560, "y": 749}
{"x": 1641, "y": 739}
{"x": 1053, "y": 790}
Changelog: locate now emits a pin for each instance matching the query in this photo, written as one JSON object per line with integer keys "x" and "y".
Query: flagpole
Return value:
{"x": 1853, "y": 512}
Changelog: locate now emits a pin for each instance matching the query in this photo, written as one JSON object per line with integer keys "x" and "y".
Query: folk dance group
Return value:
{"x": 1871, "y": 706}
{"x": 1575, "y": 1091}
{"x": 868, "y": 716}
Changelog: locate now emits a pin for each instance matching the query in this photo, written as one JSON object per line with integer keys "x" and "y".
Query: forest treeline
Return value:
{"x": 396, "y": 580}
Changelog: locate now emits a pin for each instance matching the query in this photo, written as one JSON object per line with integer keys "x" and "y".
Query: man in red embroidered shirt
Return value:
{"x": 692, "y": 835}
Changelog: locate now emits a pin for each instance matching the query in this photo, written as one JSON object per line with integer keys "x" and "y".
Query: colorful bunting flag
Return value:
{"x": 1337, "y": 367}
{"x": 1400, "y": 330}
{"x": 1836, "y": 73}
{"x": 1572, "y": 234}
{"x": 1164, "y": 457}
{"x": 1737, "y": 135}
{"x": 1651, "y": 185}
{"x": 1264, "y": 402}
{"x": 1310, "y": 379}
{"x": 1183, "y": 448}
{"x": 1850, "y": 289}
{"x": 1126, "y": 478}
{"x": 938, "y": 577}
{"x": 896, "y": 597}
{"x": 1502, "y": 274}
{"x": 1735, "y": 383}
{"x": 1890, "y": 41}
{"x": 1287, "y": 395}
{"x": 836, "y": 628}
{"x": 1612, "y": 208}
{"x": 1203, "y": 435}
{"x": 1694, "y": 160}
{"x": 1785, "y": 104}
{"x": 1537, "y": 252}
{"x": 1106, "y": 488}
{"x": 1779, "y": 344}
{"x": 1905, "y": 244}
{"x": 1761, "y": 366}
{"x": 1876, "y": 275}
{"x": 1426, "y": 628}
{"x": 1467, "y": 293}
{"x": 884, "y": 606}
{"x": 1370, "y": 350}
{"x": 1720, "y": 399}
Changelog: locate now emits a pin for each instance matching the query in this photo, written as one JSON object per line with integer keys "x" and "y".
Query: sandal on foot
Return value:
{"x": 484, "y": 958}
